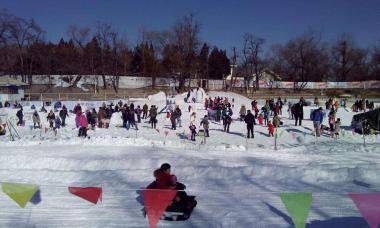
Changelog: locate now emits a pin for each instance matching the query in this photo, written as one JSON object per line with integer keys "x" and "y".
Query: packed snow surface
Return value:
{"x": 237, "y": 181}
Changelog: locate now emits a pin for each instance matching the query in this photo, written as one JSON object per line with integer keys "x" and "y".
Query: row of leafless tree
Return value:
{"x": 309, "y": 58}
{"x": 175, "y": 52}
{"x": 178, "y": 52}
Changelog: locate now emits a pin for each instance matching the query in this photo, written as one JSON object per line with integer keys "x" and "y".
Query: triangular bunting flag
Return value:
{"x": 297, "y": 204}
{"x": 20, "y": 193}
{"x": 369, "y": 206}
{"x": 92, "y": 194}
{"x": 279, "y": 132}
{"x": 155, "y": 203}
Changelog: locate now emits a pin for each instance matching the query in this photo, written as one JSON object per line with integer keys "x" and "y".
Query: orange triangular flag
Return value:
{"x": 155, "y": 203}
{"x": 92, "y": 194}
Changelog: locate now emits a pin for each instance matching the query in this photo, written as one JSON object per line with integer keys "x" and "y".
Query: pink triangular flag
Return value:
{"x": 369, "y": 206}
{"x": 155, "y": 202}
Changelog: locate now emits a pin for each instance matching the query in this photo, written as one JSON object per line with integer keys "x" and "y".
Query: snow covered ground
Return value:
{"x": 237, "y": 181}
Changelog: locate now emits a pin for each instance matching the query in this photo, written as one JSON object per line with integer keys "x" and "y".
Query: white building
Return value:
{"x": 11, "y": 89}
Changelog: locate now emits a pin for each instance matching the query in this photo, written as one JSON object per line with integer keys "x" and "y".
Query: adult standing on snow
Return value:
{"x": 178, "y": 113}
{"x": 145, "y": 111}
{"x": 101, "y": 117}
{"x": 153, "y": 116}
{"x": 173, "y": 118}
{"x": 276, "y": 120}
{"x": 226, "y": 123}
{"x": 298, "y": 113}
{"x": 63, "y": 114}
{"x": 138, "y": 113}
{"x": 20, "y": 116}
{"x": 317, "y": 118}
{"x": 206, "y": 125}
{"x": 250, "y": 121}
{"x": 131, "y": 116}
{"x": 36, "y": 120}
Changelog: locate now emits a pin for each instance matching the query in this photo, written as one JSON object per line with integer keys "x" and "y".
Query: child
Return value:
{"x": 270, "y": 129}
{"x": 336, "y": 131}
{"x": 261, "y": 119}
{"x": 193, "y": 117}
{"x": 193, "y": 131}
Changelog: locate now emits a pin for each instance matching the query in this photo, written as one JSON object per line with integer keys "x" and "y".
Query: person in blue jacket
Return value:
{"x": 317, "y": 118}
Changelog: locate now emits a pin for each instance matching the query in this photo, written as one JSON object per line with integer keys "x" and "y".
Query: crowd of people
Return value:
{"x": 219, "y": 110}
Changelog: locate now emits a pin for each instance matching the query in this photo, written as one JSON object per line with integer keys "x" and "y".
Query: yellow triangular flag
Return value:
{"x": 20, "y": 193}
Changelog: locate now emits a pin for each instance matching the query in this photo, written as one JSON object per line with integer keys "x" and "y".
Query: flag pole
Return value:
{"x": 275, "y": 140}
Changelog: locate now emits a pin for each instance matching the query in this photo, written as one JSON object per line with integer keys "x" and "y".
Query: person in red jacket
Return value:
{"x": 270, "y": 129}
{"x": 206, "y": 103}
{"x": 162, "y": 176}
{"x": 261, "y": 119}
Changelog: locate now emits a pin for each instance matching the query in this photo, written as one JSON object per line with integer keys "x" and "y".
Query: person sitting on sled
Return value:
{"x": 162, "y": 176}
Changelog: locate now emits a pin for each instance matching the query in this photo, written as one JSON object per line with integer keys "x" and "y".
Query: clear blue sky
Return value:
{"x": 223, "y": 22}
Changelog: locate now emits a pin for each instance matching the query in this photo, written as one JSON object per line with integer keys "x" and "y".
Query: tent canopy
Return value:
{"x": 372, "y": 117}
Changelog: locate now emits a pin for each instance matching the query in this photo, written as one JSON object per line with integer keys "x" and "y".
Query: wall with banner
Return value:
{"x": 134, "y": 82}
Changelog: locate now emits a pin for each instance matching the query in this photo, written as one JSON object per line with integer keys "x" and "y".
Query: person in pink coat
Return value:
{"x": 82, "y": 124}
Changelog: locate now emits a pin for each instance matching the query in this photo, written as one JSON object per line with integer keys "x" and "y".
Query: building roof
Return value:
{"x": 6, "y": 81}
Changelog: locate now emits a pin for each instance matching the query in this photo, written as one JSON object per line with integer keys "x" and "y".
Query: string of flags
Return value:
{"x": 156, "y": 201}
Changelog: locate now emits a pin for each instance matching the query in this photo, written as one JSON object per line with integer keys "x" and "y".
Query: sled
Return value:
{"x": 173, "y": 213}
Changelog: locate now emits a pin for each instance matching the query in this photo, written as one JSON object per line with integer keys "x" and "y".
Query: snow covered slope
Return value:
{"x": 237, "y": 181}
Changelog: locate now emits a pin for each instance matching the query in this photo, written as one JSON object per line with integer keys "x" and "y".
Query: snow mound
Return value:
{"x": 160, "y": 96}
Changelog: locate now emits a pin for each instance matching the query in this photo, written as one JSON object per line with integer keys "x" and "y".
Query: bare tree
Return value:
{"x": 22, "y": 34}
{"x": 158, "y": 40}
{"x": 186, "y": 39}
{"x": 348, "y": 60}
{"x": 80, "y": 37}
{"x": 252, "y": 59}
{"x": 301, "y": 60}
{"x": 234, "y": 66}
{"x": 105, "y": 35}
{"x": 374, "y": 69}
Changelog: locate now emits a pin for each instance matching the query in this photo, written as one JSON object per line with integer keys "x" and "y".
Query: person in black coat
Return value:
{"x": 63, "y": 114}
{"x": 226, "y": 123}
{"x": 20, "y": 116}
{"x": 250, "y": 121}
{"x": 298, "y": 113}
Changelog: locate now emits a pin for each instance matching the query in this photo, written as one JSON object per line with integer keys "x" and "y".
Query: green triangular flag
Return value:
{"x": 20, "y": 193}
{"x": 297, "y": 204}
{"x": 280, "y": 132}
